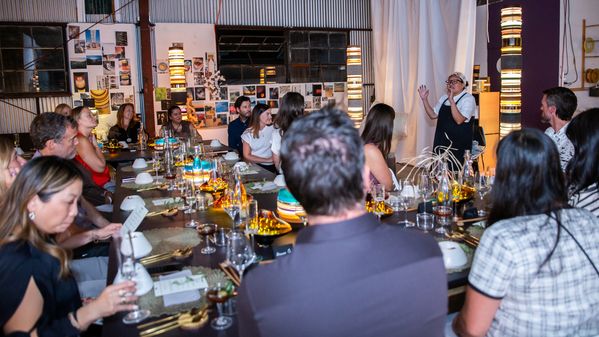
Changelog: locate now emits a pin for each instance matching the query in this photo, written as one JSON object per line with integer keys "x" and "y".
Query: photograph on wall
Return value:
{"x": 283, "y": 90}
{"x": 94, "y": 60}
{"x": 114, "y": 82}
{"x": 102, "y": 82}
{"x": 224, "y": 91}
{"x": 261, "y": 101}
{"x": 89, "y": 102}
{"x": 130, "y": 99}
{"x": 232, "y": 111}
{"x": 210, "y": 64}
{"x": 328, "y": 90}
{"x": 316, "y": 102}
{"x": 92, "y": 39}
{"x": 221, "y": 106}
{"x": 162, "y": 66}
{"x": 199, "y": 79}
{"x": 73, "y": 32}
{"x": 260, "y": 91}
{"x": 119, "y": 51}
{"x": 233, "y": 94}
{"x": 273, "y": 103}
{"x": 191, "y": 93}
{"x": 108, "y": 67}
{"x": 79, "y": 46}
{"x": 249, "y": 90}
{"x": 198, "y": 64}
{"x": 273, "y": 93}
{"x": 317, "y": 90}
{"x": 108, "y": 49}
{"x": 120, "y": 38}
{"x": 159, "y": 94}
{"x": 78, "y": 63}
{"x": 252, "y": 101}
{"x": 124, "y": 65}
{"x": 125, "y": 77}
{"x": 80, "y": 82}
{"x": 308, "y": 104}
{"x": 299, "y": 88}
{"x": 221, "y": 119}
{"x": 108, "y": 57}
{"x": 339, "y": 87}
{"x": 165, "y": 104}
{"x": 187, "y": 64}
{"x": 161, "y": 117}
{"x": 308, "y": 90}
{"x": 116, "y": 100}
{"x": 200, "y": 93}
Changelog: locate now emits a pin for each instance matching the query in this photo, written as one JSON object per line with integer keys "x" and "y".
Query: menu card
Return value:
{"x": 179, "y": 287}
{"x": 134, "y": 220}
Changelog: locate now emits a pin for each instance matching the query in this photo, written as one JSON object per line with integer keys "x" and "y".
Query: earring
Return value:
{"x": 31, "y": 216}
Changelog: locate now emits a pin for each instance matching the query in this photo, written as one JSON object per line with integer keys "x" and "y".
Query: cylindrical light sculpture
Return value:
{"x": 354, "y": 85}
{"x": 511, "y": 70}
{"x": 176, "y": 64}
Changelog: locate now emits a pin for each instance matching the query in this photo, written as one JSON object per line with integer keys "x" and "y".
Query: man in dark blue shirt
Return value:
{"x": 238, "y": 126}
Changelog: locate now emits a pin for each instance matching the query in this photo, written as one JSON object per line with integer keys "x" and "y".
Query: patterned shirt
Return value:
{"x": 564, "y": 145}
{"x": 587, "y": 199}
{"x": 562, "y": 298}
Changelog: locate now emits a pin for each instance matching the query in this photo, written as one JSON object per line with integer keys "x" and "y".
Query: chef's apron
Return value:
{"x": 459, "y": 134}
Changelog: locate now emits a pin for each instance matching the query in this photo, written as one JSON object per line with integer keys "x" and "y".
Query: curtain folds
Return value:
{"x": 419, "y": 42}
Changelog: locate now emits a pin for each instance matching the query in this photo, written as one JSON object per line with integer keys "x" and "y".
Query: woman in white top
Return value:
{"x": 257, "y": 138}
{"x": 292, "y": 107}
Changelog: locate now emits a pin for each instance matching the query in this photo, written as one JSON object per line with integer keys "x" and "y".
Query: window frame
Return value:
{"x": 67, "y": 70}
{"x": 286, "y": 32}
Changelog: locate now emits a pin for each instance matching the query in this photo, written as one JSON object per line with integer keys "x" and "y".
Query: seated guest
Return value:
{"x": 63, "y": 109}
{"x": 127, "y": 127}
{"x": 291, "y": 108}
{"x": 89, "y": 153}
{"x": 39, "y": 295}
{"x": 534, "y": 272}
{"x": 583, "y": 169}
{"x": 56, "y": 135}
{"x": 377, "y": 134}
{"x": 177, "y": 126}
{"x": 236, "y": 128}
{"x": 257, "y": 138}
{"x": 348, "y": 274}
{"x": 557, "y": 107}
{"x": 10, "y": 164}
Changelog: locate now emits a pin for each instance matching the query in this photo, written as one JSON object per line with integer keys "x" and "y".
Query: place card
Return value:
{"x": 179, "y": 284}
{"x": 165, "y": 201}
{"x": 134, "y": 220}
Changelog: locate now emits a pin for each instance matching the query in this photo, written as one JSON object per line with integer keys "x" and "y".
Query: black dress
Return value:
{"x": 122, "y": 135}
{"x": 19, "y": 261}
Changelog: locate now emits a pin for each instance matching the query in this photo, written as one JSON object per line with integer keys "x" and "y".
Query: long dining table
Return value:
{"x": 113, "y": 325}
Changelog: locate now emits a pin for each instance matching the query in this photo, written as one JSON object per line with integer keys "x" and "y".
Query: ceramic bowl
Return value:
{"x": 215, "y": 143}
{"x": 144, "y": 178}
{"x": 132, "y": 202}
{"x": 139, "y": 163}
{"x": 143, "y": 280}
{"x": 453, "y": 255}
{"x": 141, "y": 245}
{"x": 231, "y": 156}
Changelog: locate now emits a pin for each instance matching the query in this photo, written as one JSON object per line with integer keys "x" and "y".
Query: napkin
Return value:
{"x": 181, "y": 297}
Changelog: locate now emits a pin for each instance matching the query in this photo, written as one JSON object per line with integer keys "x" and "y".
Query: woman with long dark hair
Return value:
{"x": 257, "y": 138}
{"x": 177, "y": 126}
{"x": 291, "y": 108}
{"x": 535, "y": 270}
{"x": 377, "y": 134}
{"x": 583, "y": 168}
{"x": 39, "y": 294}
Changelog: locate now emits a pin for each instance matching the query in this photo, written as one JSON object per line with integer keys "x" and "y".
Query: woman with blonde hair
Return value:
{"x": 63, "y": 109}
{"x": 89, "y": 153}
{"x": 39, "y": 294}
{"x": 127, "y": 126}
{"x": 10, "y": 164}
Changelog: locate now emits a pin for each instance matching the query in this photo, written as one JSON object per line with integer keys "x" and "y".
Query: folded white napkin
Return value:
{"x": 180, "y": 297}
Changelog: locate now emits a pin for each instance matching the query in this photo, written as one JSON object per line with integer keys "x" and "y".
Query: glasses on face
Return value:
{"x": 453, "y": 81}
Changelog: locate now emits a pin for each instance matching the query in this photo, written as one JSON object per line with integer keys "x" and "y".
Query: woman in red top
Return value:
{"x": 89, "y": 153}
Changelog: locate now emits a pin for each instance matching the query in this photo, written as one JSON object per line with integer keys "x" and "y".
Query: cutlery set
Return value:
{"x": 177, "y": 254}
{"x": 193, "y": 319}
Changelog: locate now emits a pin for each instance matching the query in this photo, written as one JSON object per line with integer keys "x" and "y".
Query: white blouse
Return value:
{"x": 260, "y": 146}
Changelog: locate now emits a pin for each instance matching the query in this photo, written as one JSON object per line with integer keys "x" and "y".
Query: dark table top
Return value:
{"x": 113, "y": 326}
{"x": 127, "y": 155}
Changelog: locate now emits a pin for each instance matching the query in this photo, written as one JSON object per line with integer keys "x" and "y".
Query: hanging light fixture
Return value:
{"x": 354, "y": 85}
{"x": 511, "y": 70}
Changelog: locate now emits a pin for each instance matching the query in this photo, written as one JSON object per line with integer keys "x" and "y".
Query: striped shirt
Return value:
{"x": 563, "y": 143}
{"x": 587, "y": 199}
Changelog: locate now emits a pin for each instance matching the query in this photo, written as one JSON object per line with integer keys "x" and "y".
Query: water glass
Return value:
{"x": 424, "y": 221}
{"x": 240, "y": 254}
{"x": 406, "y": 199}
{"x": 378, "y": 197}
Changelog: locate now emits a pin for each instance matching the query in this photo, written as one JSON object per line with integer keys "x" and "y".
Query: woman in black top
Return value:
{"x": 39, "y": 294}
{"x": 127, "y": 127}
{"x": 177, "y": 126}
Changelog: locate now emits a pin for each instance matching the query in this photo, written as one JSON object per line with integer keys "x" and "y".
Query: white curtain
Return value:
{"x": 419, "y": 42}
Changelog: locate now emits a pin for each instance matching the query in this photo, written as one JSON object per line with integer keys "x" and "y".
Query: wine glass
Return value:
{"x": 156, "y": 163}
{"x": 218, "y": 294}
{"x": 378, "y": 198}
{"x": 240, "y": 254}
{"x": 232, "y": 206}
{"x": 127, "y": 269}
{"x": 406, "y": 198}
{"x": 251, "y": 228}
{"x": 205, "y": 230}
{"x": 482, "y": 187}
{"x": 425, "y": 188}
{"x": 190, "y": 199}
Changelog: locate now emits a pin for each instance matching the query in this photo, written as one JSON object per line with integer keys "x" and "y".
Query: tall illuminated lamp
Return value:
{"x": 176, "y": 64}
{"x": 354, "y": 84}
{"x": 510, "y": 97}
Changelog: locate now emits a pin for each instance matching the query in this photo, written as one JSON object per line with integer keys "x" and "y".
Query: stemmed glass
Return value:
{"x": 190, "y": 198}
{"x": 205, "y": 230}
{"x": 232, "y": 206}
{"x": 218, "y": 294}
{"x": 378, "y": 197}
{"x": 156, "y": 163}
{"x": 127, "y": 269}
{"x": 406, "y": 198}
{"x": 251, "y": 228}
{"x": 425, "y": 188}
{"x": 482, "y": 187}
{"x": 240, "y": 253}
